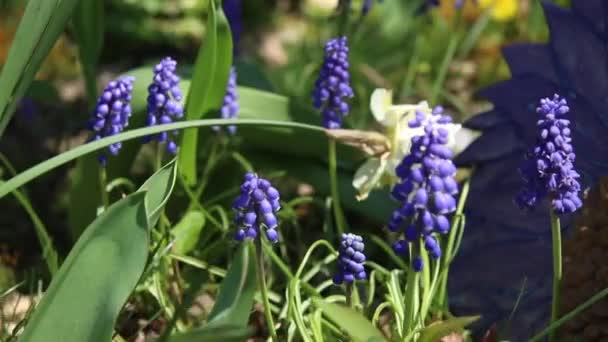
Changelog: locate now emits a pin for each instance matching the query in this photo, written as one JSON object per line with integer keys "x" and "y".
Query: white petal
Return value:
{"x": 380, "y": 102}
{"x": 368, "y": 176}
{"x": 462, "y": 138}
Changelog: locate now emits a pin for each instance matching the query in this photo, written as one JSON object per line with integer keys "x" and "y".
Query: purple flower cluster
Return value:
{"x": 230, "y": 108}
{"x": 333, "y": 85}
{"x": 164, "y": 98}
{"x": 350, "y": 259}
{"x": 548, "y": 168}
{"x": 112, "y": 112}
{"x": 427, "y": 187}
{"x": 256, "y": 206}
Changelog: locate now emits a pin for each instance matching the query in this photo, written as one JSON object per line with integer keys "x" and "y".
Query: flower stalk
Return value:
{"x": 556, "y": 237}
{"x": 257, "y": 244}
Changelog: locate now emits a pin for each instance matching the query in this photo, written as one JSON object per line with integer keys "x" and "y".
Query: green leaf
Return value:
{"x": 436, "y": 331}
{"x": 84, "y": 194}
{"x": 86, "y": 295}
{"x": 235, "y": 298}
{"x": 187, "y": 232}
{"x": 218, "y": 333}
{"x": 56, "y": 161}
{"x": 355, "y": 325}
{"x": 159, "y": 187}
{"x": 88, "y": 20}
{"x": 208, "y": 84}
{"x": 41, "y": 25}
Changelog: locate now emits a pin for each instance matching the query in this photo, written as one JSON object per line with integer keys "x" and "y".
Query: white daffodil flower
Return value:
{"x": 380, "y": 171}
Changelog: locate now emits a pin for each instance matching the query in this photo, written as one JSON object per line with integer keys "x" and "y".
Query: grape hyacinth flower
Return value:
{"x": 230, "y": 108}
{"x": 350, "y": 259}
{"x": 548, "y": 169}
{"x": 333, "y": 84}
{"x": 112, "y": 113}
{"x": 164, "y": 98}
{"x": 427, "y": 187}
{"x": 256, "y": 206}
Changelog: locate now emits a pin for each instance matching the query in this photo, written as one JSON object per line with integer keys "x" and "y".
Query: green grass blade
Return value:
{"x": 208, "y": 86}
{"x": 38, "y": 30}
{"x": 219, "y": 333}
{"x": 50, "y": 164}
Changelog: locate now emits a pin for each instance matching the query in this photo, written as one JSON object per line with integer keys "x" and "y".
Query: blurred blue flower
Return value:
{"x": 427, "y": 187}
{"x": 256, "y": 207}
{"x": 350, "y": 259}
{"x": 112, "y": 112}
{"x": 548, "y": 168}
{"x": 164, "y": 98}
{"x": 234, "y": 14}
{"x": 573, "y": 64}
{"x": 230, "y": 107}
{"x": 332, "y": 88}
{"x": 367, "y": 6}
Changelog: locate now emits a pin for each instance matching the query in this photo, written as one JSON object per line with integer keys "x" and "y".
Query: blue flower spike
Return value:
{"x": 256, "y": 207}
{"x": 230, "y": 107}
{"x": 549, "y": 167}
{"x": 350, "y": 260}
{"x": 164, "y": 97}
{"x": 426, "y": 189}
{"x": 112, "y": 112}
{"x": 332, "y": 88}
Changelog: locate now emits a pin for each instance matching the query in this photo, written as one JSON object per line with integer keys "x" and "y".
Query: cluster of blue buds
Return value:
{"x": 427, "y": 187}
{"x": 333, "y": 85}
{"x": 164, "y": 98}
{"x": 350, "y": 259}
{"x": 230, "y": 108}
{"x": 112, "y": 112}
{"x": 256, "y": 206}
{"x": 549, "y": 166}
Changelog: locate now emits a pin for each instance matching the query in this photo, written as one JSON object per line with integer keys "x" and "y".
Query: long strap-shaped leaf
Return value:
{"x": 72, "y": 154}
{"x": 38, "y": 30}
{"x": 208, "y": 86}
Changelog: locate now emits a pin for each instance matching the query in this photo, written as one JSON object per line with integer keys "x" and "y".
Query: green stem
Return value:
{"x": 349, "y": 295}
{"x": 263, "y": 290}
{"x": 411, "y": 295}
{"x": 446, "y": 258}
{"x": 556, "y": 235}
{"x": 103, "y": 179}
{"x": 159, "y": 156}
{"x": 335, "y": 194}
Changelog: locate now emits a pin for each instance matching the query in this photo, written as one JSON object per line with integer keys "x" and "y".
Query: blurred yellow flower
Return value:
{"x": 501, "y": 10}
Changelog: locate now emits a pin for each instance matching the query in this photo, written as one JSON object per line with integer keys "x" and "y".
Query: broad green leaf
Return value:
{"x": 88, "y": 28}
{"x": 352, "y": 322}
{"x": 187, "y": 231}
{"x": 85, "y": 297}
{"x": 41, "y": 25}
{"x": 436, "y": 331}
{"x": 208, "y": 84}
{"x": 159, "y": 187}
{"x": 218, "y": 333}
{"x": 235, "y": 298}
{"x": 84, "y": 194}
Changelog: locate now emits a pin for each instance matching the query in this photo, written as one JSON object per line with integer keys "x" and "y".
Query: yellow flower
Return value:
{"x": 501, "y": 10}
{"x": 380, "y": 171}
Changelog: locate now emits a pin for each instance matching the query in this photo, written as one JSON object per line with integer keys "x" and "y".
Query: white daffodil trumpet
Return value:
{"x": 379, "y": 170}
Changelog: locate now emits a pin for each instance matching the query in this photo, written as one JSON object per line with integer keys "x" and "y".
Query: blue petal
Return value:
{"x": 527, "y": 58}
{"x": 581, "y": 55}
{"x": 595, "y": 13}
{"x": 486, "y": 120}
{"x": 494, "y": 143}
